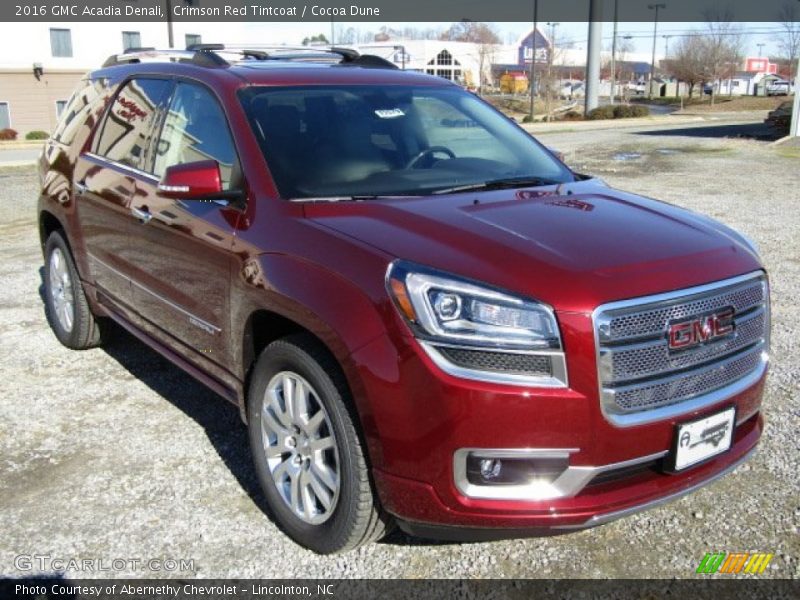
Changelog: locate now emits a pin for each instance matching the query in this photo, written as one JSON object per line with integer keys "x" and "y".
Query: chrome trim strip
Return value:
{"x": 671, "y": 411}
{"x": 193, "y": 319}
{"x": 118, "y": 165}
{"x": 614, "y": 515}
{"x": 559, "y": 378}
{"x": 566, "y": 485}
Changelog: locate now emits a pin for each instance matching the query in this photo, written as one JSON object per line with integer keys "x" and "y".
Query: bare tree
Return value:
{"x": 688, "y": 61}
{"x": 486, "y": 38}
{"x": 723, "y": 45}
{"x": 789, "y": 38}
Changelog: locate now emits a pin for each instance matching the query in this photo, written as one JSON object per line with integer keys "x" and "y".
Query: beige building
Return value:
{"x": 41, "y": 63}
{"x": 30, "y": 104}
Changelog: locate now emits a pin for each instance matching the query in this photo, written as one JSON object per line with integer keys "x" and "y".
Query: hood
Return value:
{"x": 574, "y": 247}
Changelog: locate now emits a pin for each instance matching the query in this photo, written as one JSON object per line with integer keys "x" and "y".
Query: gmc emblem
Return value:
{"x": 683, "y": 335}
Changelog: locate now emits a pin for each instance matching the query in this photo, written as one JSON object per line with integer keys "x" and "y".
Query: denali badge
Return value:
{"x": 699, "y": 330}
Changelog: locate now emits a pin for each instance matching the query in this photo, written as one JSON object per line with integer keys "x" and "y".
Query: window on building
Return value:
{"x": 126, "y": 130}
{"x": 60, "y": 106}
{"x": 131, "y": 39}
{"x": 444, "y": 58}
{"x": 193, "y": 38}
{"x": 5, "y": 115}
{"x": 61, "y": 42}
{"x": 195, "y": 129}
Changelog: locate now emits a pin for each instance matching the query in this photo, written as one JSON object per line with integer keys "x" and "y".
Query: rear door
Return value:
{"x": 104, "y": 183}
{"x": 182, "y": 254}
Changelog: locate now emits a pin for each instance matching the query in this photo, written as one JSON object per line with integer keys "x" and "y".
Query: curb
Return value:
{"x": 10, "y": 164}
{"x": 22, "y": 145}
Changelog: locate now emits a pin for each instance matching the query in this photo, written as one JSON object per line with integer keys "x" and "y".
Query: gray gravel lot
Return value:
{"x": 113, "y": 453}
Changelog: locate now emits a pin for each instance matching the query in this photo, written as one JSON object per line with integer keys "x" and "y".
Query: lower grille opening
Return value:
{"x": 503, "y": 362}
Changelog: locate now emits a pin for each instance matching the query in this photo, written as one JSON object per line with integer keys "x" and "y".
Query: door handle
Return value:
{"x": 143, "y": 215}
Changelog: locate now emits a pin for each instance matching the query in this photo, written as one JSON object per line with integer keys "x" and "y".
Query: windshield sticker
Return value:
{"x": 390, "y": 113}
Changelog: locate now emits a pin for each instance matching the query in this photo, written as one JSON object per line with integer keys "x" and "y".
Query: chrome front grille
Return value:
{"x": 642, "y": 380}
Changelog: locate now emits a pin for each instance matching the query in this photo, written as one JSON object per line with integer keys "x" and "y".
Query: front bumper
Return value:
{"x": 417, "y": 418}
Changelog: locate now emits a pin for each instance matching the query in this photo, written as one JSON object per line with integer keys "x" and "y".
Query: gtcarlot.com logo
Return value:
{"x": 734, "y": 562}
{"x": 46, "y": 562}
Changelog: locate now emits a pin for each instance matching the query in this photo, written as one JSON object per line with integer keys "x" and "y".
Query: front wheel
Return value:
{"x": 308, "y": 455}
{"x": 68, "y": 312}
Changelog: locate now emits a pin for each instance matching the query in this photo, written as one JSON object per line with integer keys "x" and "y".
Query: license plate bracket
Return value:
{"x": 697, "y": 441}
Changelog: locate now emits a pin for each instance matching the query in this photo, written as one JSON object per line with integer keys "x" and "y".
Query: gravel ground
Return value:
{"x": 113, "y": 453}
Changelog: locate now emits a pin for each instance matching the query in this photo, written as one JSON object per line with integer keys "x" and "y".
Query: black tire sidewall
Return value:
{"x": 333, "y": 533}
{"x": 68, "y": 338}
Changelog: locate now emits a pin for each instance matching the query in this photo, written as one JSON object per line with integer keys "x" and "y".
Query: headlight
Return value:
{"x": 470, "y": 327}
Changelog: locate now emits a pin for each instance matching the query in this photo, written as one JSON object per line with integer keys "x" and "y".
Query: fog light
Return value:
{"x": 490, "y": 468}
{"x": 498, "y": 467}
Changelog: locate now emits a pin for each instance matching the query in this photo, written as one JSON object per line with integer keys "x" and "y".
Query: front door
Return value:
{"x": 182, "y": 249}
{"x": 104, "y": 184}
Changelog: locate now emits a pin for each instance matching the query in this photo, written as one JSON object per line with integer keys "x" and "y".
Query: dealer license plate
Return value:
{"x": 704, "y": 438}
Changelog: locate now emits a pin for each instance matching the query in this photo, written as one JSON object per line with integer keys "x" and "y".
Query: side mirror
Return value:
{"x": 199, "y": 180}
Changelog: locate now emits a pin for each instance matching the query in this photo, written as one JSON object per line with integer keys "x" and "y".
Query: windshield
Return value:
{"x": 367, "y": 141}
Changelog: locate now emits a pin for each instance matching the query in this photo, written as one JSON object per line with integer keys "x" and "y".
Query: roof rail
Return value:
{"x": 136, "y": 55}
{"x": 208, "y": 55}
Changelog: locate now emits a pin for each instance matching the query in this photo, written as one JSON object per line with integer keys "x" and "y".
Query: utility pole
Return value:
{"x": 614, "y": 54}
{"x": 170, "y": 35}
{"x": 593, "y": 55}
{"x": 550, "y": 57}
{"x": 760, "y": 46}
{"x": 653, "y": 60}
{"x": 533, "y": 53}
{"x": 795, "y": 127}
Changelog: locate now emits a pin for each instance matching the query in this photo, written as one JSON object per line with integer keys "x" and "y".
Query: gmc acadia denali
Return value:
{"x": 424, "y": 317}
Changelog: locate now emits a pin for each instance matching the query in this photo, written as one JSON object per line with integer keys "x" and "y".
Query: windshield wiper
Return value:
{"x": 500, "y": 184}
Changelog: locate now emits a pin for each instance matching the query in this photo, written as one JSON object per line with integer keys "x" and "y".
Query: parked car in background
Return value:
{"x": 423, "y": 315}
{"x": 778, "y": 88}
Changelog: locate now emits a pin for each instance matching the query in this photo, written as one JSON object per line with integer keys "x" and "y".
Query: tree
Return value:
{"x": 723, "y": 45}
{"x": 471, "y": 31}
{"x": 315, "y": 39}
{"x": 789, "y": 38}
{"x": 688, "y": 61}
{"x": 485, "y": 37}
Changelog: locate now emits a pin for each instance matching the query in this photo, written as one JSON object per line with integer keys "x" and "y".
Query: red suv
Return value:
{"x": 424, "y": 317}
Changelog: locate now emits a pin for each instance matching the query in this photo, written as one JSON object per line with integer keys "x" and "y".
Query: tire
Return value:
{"x": 67, "y": 310}
{"x": 310, "y": 460}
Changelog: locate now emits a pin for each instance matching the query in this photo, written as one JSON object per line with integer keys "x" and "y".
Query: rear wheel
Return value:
{"x": 67, "y": 310}
{"x": 309, "y": 458}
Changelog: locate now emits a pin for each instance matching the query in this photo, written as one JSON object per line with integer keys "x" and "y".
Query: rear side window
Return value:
{"x": 74, "y": 114}
{"x": 128, "y": 124}
{"x": 195, "y": 129}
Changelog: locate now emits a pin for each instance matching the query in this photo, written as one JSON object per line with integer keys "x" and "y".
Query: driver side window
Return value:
{"x": 195, "y": 129}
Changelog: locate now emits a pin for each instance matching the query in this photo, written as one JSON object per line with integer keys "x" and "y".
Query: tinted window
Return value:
{"x": 128, "y": 124}
{"x": 74, "y": 114}
{"x": 195, "y": 129}
{"x": 322, "y": 141}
